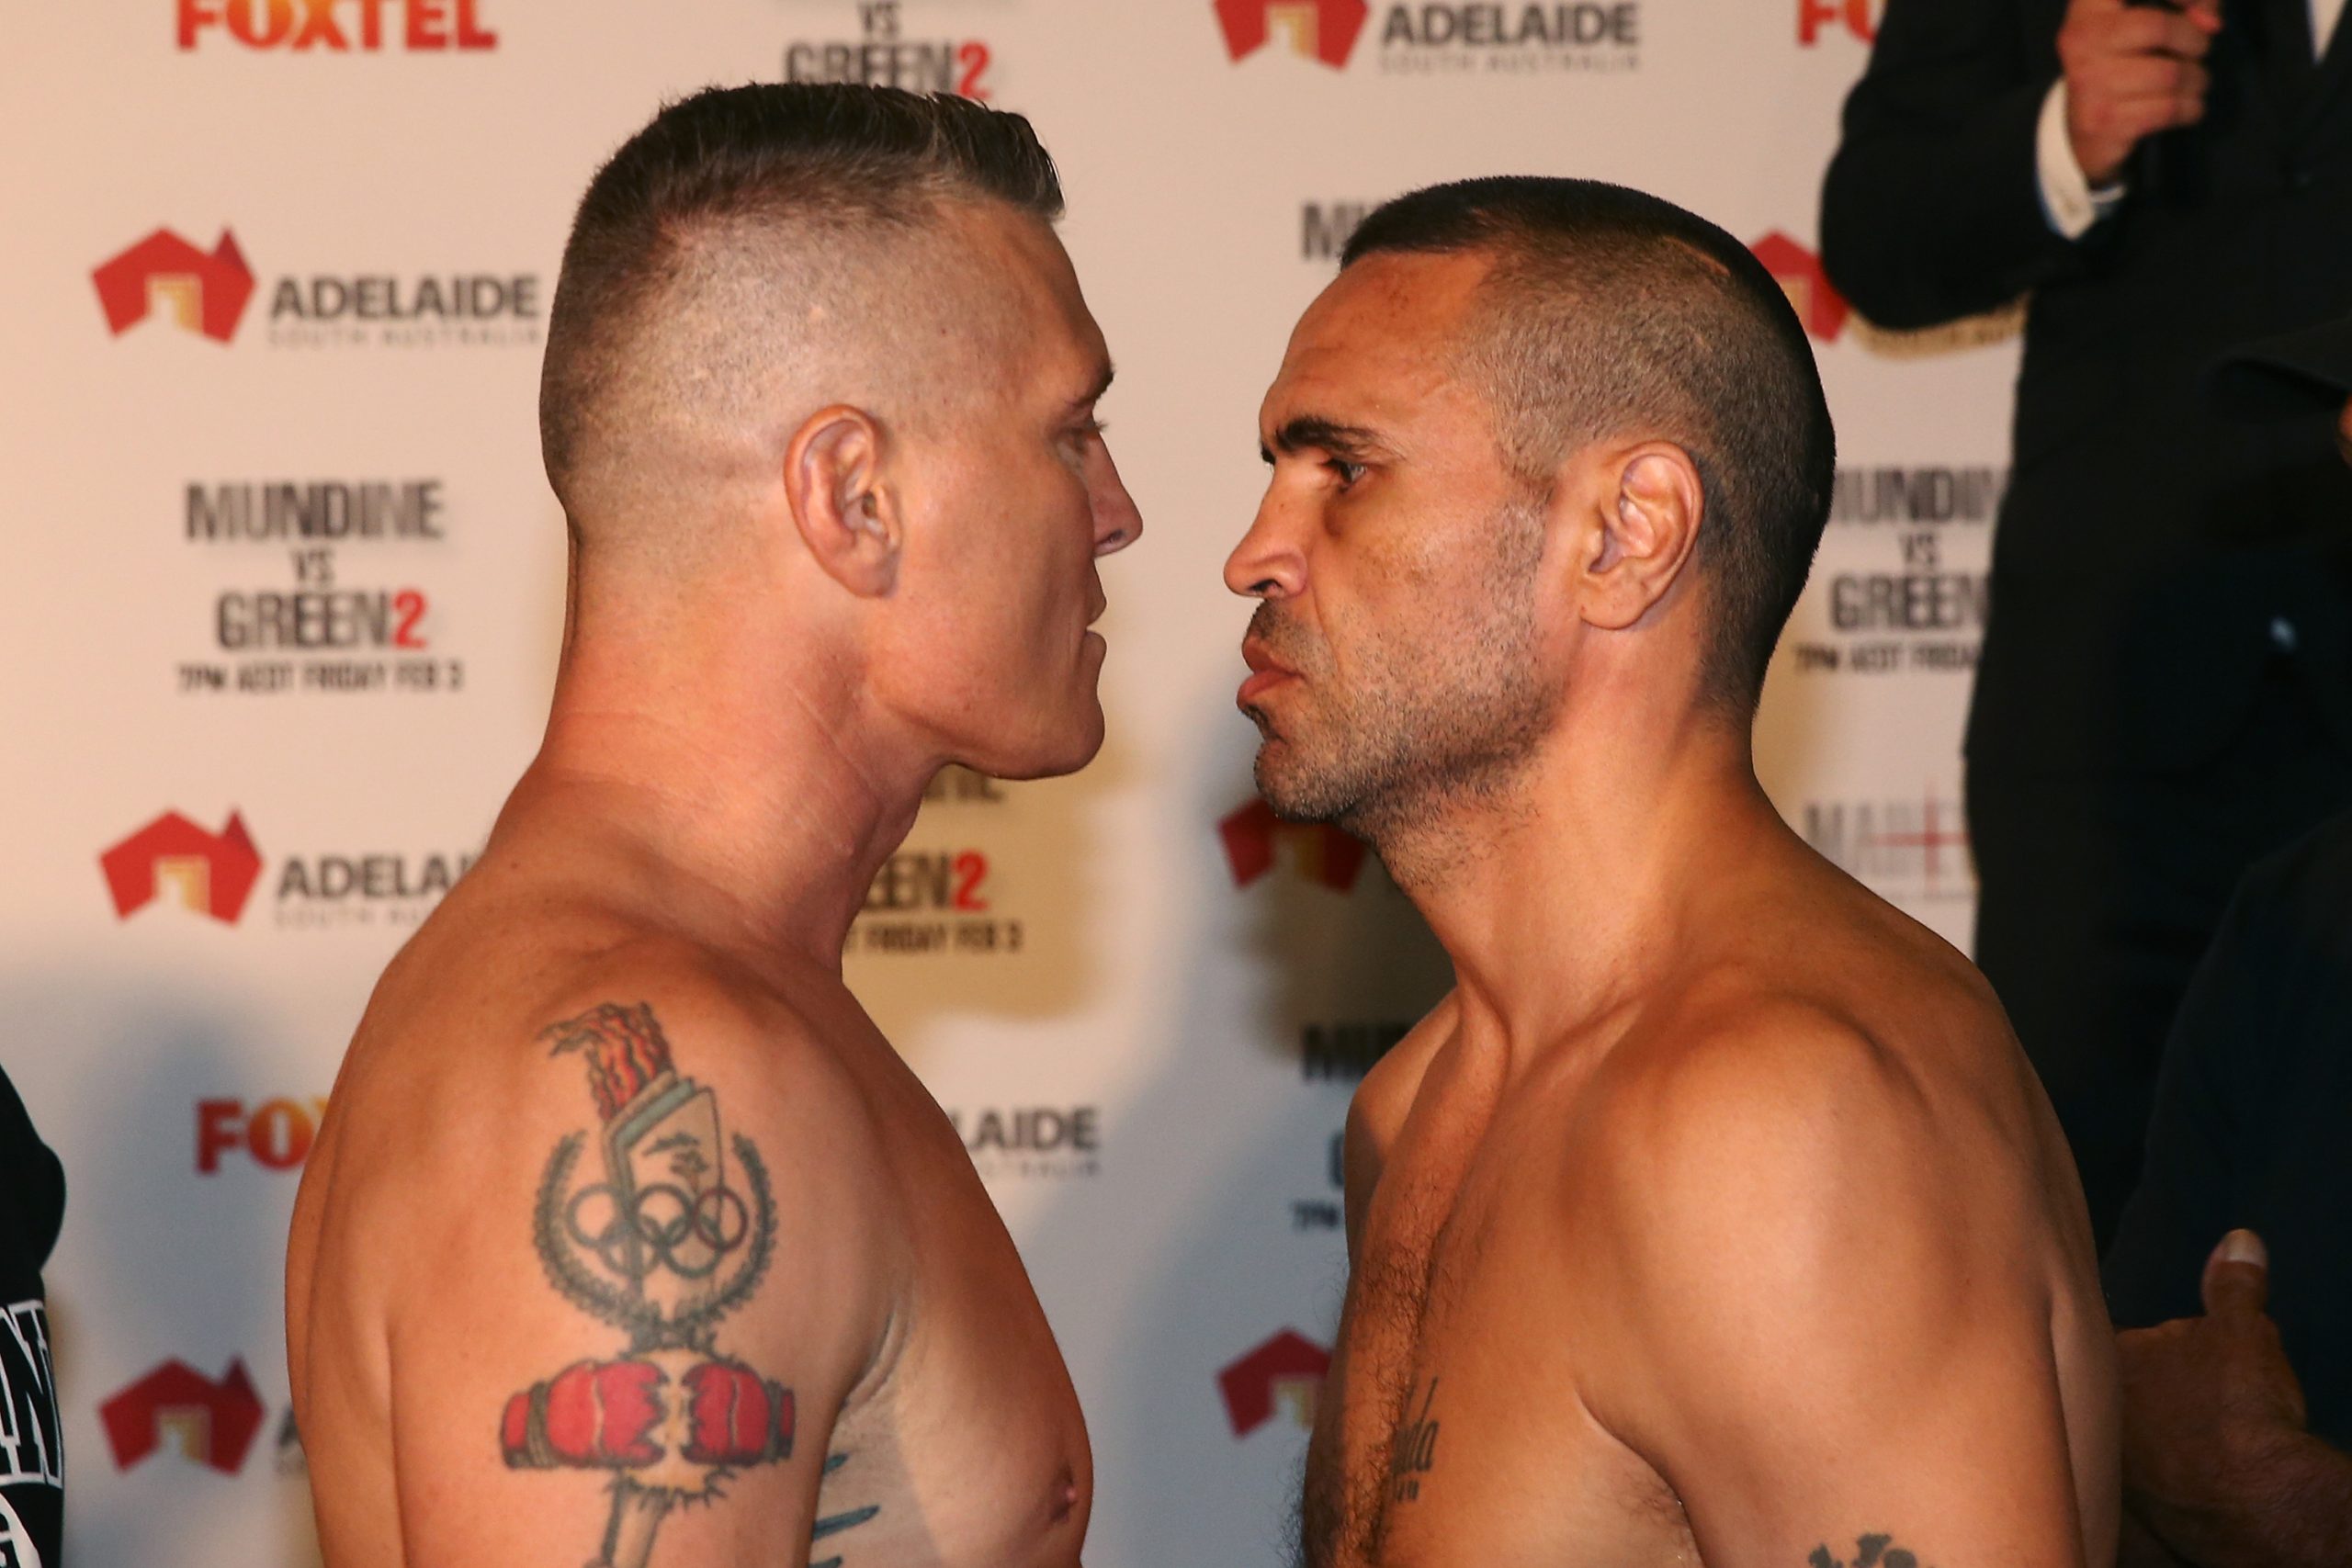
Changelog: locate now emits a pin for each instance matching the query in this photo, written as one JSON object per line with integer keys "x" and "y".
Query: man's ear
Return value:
{"x": 847, "y": 516}
{"x": 1645, "y": 524}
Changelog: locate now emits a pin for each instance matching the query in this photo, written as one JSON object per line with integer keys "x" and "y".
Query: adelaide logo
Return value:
{"x": 1316, "y": 29}
{"x": 1799, "y": 272}
{"x": 1287, "y": 1370}
{"x": 1323, "y": 853}
{"x": 212, "y": 873}
{"x": 200, "y": 293}
{"x": 212, "y": 1421}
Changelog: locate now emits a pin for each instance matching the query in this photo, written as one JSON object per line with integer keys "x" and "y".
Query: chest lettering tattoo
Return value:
{"x": 1413, "y": 1451}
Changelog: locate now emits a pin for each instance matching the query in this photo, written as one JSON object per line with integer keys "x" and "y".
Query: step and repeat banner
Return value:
{"x": 285, "y": 584}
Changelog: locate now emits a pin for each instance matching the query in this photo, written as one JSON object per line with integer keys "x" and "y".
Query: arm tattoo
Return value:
{"x": 1869, "y": 1551}
{"x": 662, "y": 1248}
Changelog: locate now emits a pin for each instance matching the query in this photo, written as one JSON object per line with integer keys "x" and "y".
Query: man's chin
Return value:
{"x": 1295, "y": 793}
{"x": 1070, "y": 746}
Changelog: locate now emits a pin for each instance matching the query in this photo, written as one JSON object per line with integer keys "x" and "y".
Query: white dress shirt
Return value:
{"x": 2068, "y": 200}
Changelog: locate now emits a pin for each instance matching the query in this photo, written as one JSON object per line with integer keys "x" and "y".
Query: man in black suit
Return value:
{"x": 2165, "y": 689}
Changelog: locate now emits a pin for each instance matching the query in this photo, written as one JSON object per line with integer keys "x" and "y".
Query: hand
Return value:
{"x": 2202, "y": 1396}
{"x": 2131, "y": 71}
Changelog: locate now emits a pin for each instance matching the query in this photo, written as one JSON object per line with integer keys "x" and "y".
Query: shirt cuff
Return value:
{"x": 2068, "y": 198}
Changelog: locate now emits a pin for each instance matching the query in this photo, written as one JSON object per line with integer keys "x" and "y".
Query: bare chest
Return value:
{"x": 1458, "y": 1433}
{"x": 965, "y": 1449}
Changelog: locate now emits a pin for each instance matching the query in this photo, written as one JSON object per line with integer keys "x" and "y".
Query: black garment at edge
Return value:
{"x": 32, "y": 1470}
{"x": 2254, "y": 1122}
{"x": 2155, "y": 565}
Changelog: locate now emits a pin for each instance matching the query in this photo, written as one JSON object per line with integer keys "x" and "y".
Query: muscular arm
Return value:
{"x": 1838, "y": 1345}
{"x": 633, "y": 1353}
{"x": 1931, "y": 210}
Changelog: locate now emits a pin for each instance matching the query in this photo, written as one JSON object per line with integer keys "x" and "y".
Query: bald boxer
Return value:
{"x": 1715, "y": 1215}
{"x": 629, "y": 1239}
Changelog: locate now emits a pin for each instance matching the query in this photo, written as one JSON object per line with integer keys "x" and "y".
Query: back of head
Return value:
{"x": 753, "y": 254}
{"x": 1609, "y": 313}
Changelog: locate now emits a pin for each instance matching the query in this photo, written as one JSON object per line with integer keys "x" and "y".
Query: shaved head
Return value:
{"x": 758, "y": 253}
{"x": 1609, "y": 313}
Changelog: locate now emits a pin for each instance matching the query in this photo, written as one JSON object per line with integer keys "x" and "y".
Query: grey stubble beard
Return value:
{"x": 1428, "y": 739}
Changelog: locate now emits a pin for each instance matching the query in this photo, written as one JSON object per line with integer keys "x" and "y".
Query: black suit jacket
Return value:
{"x": 2149, "y": 549}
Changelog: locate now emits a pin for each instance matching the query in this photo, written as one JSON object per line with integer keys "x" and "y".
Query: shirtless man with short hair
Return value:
{"x": 1715, "y": 1215}
{"x": 628, "y": 1238}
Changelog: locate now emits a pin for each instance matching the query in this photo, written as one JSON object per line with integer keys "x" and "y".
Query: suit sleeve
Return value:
{"x": 2187, "y": 1196}
{"x": 1932, "y": 207}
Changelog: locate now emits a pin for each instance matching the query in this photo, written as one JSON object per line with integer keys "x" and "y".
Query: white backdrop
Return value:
{"x": 1153, "y": 1078}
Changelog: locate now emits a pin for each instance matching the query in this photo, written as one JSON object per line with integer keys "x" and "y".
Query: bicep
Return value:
{"x": 1816, "y": 1459}
{"x": 609, "y": 1355}
{"x": 1842, "y": 1347}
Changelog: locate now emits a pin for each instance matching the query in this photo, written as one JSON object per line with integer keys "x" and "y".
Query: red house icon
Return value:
{"x": 1319, "y": 29}
{"x": 212, "y": 873}
{"x": 1324, "y": 853}
{"x": 1290, "y": 1364}
{"x": 1818, "y": 305}
{"x": 214, "y": 1421}
{"x": 203, "y": 293}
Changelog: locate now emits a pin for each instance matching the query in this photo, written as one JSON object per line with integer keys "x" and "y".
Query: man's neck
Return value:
{"x": 744, "y": 772}
{"x": 1571, "y": 892}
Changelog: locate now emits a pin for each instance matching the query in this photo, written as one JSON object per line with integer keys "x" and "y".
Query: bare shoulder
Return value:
{"x": 1811, "y": 1145}
{"x": 1380, "y": 1104}
{"x": 550, "y": 1194}
{"x": 1818, "y": 1187}
{"x": 1386, "y": 1096}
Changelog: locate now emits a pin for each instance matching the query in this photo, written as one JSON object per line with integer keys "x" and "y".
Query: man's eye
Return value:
{"x": 1349, "y": 472}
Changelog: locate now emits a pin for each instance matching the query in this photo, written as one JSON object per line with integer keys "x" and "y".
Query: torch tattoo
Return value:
{"x": 662, "y": 1248}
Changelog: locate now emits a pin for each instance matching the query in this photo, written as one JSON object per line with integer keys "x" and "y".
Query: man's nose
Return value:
{"x": 1266, "y": 564}
{"x": 1117, "y": 521}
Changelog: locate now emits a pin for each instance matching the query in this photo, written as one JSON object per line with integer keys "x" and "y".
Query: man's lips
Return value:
{"x": 1265, "y": 672}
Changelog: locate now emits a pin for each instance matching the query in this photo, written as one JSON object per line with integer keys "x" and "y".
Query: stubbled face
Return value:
{"x": 1010, "y": 498}
{"x": 1394, "y": 654}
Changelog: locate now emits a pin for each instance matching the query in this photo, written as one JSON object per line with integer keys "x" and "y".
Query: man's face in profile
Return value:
{"x": 1395, "y": 654}
{"x": 1012, "y": 496}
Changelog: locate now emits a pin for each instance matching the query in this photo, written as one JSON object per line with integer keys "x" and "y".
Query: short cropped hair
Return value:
{"x": 1610, "y": 312}
{"x": 822, "y": 158}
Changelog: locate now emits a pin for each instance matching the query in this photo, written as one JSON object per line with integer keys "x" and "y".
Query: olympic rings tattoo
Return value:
{"x": 656, "y": 1224}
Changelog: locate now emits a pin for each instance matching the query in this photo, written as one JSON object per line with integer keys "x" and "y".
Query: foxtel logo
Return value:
{"x": 212, "y": 1423}
{"x": 212, "y": 873}
{"x": 199, "y": 293}
{"x": 1798, "y": 270}
{"x": 1316, "y": 29}
{"x": 1288, "y": 1368}
{"x": 1323, "y": 853}
{"x": 337, "y": 26}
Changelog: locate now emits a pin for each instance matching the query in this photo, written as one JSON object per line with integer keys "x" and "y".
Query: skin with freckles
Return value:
{"x": 628, "y": 1238}
{"x": 1715, "y": 1215}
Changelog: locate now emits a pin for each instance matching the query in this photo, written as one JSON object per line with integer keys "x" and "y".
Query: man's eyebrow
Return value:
{"x": 1327, "y": 435}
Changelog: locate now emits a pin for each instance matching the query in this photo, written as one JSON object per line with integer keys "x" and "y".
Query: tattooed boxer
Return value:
{"x": 1715, "y": 1215}
{"x": 627, "y": 1239}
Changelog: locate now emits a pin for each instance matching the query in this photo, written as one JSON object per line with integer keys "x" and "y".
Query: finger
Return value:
{"x": 2144, "y": 31}
{"x": 2144, "y": 77}
{"x": 2237, "y": 1276}
{"x": 2124, "y": 124}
